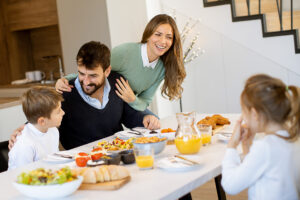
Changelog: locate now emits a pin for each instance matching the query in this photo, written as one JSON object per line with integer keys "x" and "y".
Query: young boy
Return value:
{"x": 40, "y": 137}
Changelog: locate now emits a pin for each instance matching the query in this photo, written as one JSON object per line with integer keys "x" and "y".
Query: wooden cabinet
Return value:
{"x": 28, "y": 32}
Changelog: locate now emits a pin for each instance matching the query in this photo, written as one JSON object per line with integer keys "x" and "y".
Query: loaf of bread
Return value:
{"x": 101, "y": 173}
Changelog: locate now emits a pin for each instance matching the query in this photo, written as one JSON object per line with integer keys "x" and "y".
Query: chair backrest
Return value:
{"x": 3, "y": 156}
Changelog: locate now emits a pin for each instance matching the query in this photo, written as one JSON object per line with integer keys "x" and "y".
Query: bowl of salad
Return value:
{"x": 47, "y": 184}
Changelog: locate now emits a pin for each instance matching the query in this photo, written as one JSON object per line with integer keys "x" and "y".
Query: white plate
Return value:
{"x": 126, "y": 134}
{"x": 174, "y": 164}
{"x": 225, "y": 137}
{"x": 49, "y": 191}
{"x": 55, "y": 159}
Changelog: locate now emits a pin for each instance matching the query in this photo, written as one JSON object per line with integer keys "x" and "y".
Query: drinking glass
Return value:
{"x": 144, "y": 157}
{"x": 205, "y": 132}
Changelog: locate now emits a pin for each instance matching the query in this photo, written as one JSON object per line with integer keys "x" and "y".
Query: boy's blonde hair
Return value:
{"x": 40, "y": 101}
{"x": 276, "y": 101}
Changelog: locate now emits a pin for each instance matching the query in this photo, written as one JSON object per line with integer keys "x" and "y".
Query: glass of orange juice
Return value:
{"x": 144, "y": 157}
{"x": 205, "y": 132}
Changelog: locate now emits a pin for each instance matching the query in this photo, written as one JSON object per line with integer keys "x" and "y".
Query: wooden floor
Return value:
{"x": 208, "y": 192}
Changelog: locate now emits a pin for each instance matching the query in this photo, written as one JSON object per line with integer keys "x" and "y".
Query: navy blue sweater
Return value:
{"x": 83, "y": 123}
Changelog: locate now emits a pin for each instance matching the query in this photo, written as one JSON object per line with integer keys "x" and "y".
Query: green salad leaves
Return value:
{"x": 42, "y": 176}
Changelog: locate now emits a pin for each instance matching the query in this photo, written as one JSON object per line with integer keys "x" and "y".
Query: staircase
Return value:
{"x": 274, "y": 15}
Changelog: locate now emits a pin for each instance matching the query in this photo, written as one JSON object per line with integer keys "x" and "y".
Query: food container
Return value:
{"x": 127, "y": 156}
{"x": 157, "y": 146}
{"x": 114, "y": 159}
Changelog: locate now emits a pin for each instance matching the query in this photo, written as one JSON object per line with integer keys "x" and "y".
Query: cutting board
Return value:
{"x": 218, "y": 128}
{"x": 110, "y": 185}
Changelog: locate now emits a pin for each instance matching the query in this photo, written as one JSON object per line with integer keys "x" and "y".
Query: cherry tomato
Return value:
{"x": 81, "y": 159}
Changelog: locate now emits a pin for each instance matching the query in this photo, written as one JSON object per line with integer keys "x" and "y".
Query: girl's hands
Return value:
{"x": 124, "y": 90}
{"x": 247, "y": 139}
{"x": 236, "y": 135}
{"x": 62, "y": 85}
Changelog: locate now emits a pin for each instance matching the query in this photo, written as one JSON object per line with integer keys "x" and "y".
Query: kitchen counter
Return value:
{"x": 10, "y": 94}
{"x": 6, "y": 102}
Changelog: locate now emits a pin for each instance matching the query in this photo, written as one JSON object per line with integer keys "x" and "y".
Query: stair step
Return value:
{"x": 267, "y": 6}
{"x": 273, "y": 23}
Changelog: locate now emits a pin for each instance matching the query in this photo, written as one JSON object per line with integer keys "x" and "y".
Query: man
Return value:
{"x": 92, "y": 109}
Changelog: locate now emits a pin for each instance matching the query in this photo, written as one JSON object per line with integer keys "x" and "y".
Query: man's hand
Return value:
{"x": 62, "y": 85}
{"x": 13, "y": 137}
{"x": 151, "y": 122}
{"x": 124, "y": 91}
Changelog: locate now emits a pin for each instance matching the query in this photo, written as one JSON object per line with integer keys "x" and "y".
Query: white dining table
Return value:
{"x": 144, "y": 184}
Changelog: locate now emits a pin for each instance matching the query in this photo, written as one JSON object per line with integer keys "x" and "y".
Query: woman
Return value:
{"x": 158, "y": 57}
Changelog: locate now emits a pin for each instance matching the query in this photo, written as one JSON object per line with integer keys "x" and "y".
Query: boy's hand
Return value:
{"x": 13, "y": 137}
{"x": 151, "y": 122}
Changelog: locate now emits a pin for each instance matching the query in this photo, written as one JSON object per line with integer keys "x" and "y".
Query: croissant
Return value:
{"x": 101, "y": 173}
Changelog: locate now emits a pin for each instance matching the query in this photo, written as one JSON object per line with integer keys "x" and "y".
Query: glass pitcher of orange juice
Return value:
{"x": 187, "y": 138}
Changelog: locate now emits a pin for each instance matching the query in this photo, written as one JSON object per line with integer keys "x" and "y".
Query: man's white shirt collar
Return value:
{"x": 145, "y": 57}
{"x": 93, "y": 101}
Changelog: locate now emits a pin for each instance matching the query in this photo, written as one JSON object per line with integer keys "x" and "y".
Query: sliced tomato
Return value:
{"x": 97, "y": 149}
{"x": 96, "y": 156}
{"x": 82, "y": 154}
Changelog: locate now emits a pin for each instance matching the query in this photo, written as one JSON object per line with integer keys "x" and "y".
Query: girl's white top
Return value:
{"x": 268, "y": 170}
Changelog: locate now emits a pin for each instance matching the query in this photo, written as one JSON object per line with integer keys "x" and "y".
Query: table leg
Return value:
{"x": 188, "y": 196}
{"x": 220, "y": 191}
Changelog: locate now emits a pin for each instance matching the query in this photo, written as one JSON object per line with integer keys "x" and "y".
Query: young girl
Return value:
{"x": 158, "y": 57}
{"x": 272, "y": 108}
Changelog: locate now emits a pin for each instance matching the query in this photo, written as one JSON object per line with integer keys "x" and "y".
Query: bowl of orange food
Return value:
{"x": 157, "y": 143}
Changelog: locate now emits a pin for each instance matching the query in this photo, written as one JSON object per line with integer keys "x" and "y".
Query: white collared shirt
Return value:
{"x": 33, "y": 145}
{"x": 145, "y": 59}
{"x": 93, "y": 101}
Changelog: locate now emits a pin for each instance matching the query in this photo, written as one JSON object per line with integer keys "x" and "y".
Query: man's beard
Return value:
{"x": 96, "y": 87}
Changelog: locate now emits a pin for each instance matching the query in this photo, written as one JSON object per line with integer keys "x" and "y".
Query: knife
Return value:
{"x": 63, "y": 155}
{"x": 191, "y": 161}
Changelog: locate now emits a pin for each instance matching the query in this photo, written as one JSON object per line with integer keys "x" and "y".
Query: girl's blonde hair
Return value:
{"x": 276, "y": 101}
{"x": 172, "y": 59}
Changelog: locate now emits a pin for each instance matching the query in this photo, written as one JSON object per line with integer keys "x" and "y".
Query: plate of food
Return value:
{"x": 218, "y": 122}
{"x": 48, "y": 184}
{"x": 117, "y": 145}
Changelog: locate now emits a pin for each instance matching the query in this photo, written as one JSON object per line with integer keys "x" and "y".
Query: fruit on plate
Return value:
{"x": 101, "y": 173}
{"x": 81, "y": 159}
{"x": 167, "y": 130}
{"x": 43, "y": 176}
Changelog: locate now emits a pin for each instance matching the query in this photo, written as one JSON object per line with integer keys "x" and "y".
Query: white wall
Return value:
{"x": 233, "y": 52}
{"x": 80, "y": 22}
{"x": 10, "y": 119}
{"x": 127, "y": 20}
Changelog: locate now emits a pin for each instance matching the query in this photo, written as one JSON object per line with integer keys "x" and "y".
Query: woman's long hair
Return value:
{"x": 172, "y": 59}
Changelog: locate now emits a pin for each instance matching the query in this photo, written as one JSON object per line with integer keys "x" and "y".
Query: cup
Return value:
{"x": 144, "y": 158}
{"x": 39, "y": 75}
{"x": 205, "y": 133}
{"x": 30, "y": 75}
